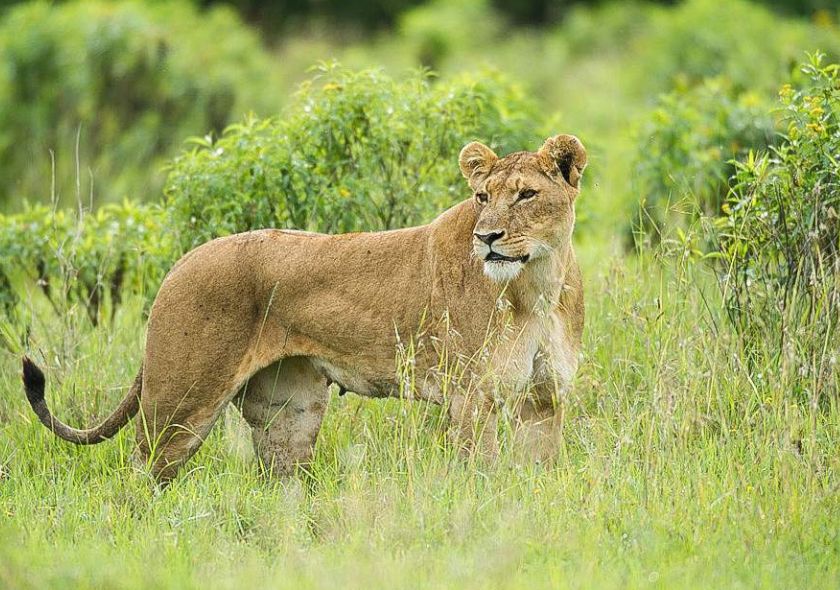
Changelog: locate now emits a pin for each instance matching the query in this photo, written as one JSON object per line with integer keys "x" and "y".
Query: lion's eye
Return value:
{"x": 481, "y": 198}
{"x": 527, "y": 193}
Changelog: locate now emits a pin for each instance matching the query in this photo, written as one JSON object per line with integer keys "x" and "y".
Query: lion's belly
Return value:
{"x": 373, "y": 383}
{"x": 368, "y": 383}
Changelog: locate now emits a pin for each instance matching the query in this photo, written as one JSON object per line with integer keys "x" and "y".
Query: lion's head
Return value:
{"x": 525, "y": 202}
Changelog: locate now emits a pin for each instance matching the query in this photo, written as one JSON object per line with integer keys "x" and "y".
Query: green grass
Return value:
{"x": 677, "y": 470}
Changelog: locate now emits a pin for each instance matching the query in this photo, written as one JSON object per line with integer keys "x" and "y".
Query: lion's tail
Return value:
{"x": 33, "y": 383}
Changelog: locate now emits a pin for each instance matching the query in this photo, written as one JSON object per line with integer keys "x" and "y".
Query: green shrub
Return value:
{"x": 125, "y": 82}
{"x": 354, "y": 151}
{"x": 780, "y": 235}
{"x": 685, "y": 152}
{"x": 89, "y": 259}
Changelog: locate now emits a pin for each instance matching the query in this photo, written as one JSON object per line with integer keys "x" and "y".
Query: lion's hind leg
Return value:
{"x": 284, "y": 404}
{"x": 177, "y": 412}
{"x": 168, "y": 437}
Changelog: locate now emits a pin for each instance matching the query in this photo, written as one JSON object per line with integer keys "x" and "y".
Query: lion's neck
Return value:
{"x": 541, "y": 284}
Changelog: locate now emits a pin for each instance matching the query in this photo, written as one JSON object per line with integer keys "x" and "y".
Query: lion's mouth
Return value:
{"x": 493, "y": 256}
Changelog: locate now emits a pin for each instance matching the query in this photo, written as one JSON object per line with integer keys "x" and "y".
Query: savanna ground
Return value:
{"x": 685, "y": 462}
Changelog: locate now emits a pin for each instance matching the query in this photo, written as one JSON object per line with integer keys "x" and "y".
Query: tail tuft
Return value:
{"x": 33, "y": 381}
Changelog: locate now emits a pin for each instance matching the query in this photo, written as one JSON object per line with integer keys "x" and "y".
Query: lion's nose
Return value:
{"x": 490, "y": 237}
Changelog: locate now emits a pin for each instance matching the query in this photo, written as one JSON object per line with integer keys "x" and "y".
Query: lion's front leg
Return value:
{"x": 538, "y": 430}
{"x": 539, "y": 413}
{"x": 473, "y": 424}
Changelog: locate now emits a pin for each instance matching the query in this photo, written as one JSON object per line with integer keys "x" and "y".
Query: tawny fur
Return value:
{"x": 268, "y": 318}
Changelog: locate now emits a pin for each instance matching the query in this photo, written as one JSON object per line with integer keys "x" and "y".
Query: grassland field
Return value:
{"x": 680, "y": 467}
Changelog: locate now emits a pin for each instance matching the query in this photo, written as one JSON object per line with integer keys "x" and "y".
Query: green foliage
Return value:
{"x": 123, "y": 83}
{"x": 608, "y": 28}
{"x": 433, "y": 32}
{"x": 685, "y": 151}
{"x": 354, "y": 151}
{"x": 737, "y": 39}
{"x": 90, "y": 260}
{"x": 780, "y": 237}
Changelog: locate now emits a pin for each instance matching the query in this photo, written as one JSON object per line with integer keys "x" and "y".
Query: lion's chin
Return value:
{"x": 502, "y": 271}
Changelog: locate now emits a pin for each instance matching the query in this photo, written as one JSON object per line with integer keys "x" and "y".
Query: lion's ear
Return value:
{"x": 563, "y": 155}
{"x": 476, "y": 158}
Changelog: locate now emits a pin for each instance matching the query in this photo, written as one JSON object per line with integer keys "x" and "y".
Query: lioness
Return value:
{"x": 489, "y": 294}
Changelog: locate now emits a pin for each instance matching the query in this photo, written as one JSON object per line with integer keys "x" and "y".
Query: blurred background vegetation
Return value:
{"x": 96, "y": 97}
{"x": 132, "y": 131}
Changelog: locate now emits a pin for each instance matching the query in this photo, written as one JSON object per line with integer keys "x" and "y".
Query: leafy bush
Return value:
{"x": 685, "y": 152}
{"x": 124, "y": 82}
{"x": 354, "y": 151}
{"x": 780, "y": 237}
{"x": 87, "y": 259}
